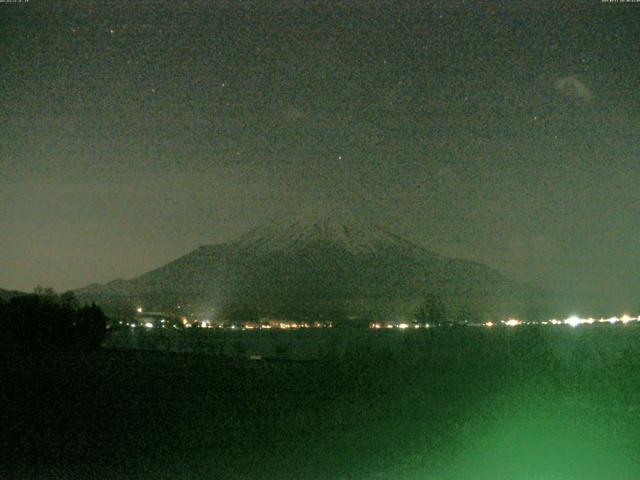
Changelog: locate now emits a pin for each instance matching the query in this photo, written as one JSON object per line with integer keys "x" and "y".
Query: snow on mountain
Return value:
{"x": 354, "y": 237}
{"x": 280, "y": 268}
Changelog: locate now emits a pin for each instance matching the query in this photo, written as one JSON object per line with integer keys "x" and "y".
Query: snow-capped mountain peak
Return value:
{"x": 279, "y": 269}
{"x": 352, "y": 236}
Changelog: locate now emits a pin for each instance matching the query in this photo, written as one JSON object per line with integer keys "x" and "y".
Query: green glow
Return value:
{"x": 533, "y": 436}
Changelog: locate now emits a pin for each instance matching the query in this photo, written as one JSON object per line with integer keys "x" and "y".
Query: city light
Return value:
{"x": 179, "y": 322}
{"x": 573, "y": 321}
{"x": 512, "y": 322}
{"x": 626, "y": 319}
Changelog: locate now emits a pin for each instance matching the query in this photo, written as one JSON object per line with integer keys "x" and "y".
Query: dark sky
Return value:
{"x": 508, "y": 133}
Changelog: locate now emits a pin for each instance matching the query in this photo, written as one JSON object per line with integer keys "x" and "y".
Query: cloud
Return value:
{"x": 573, "y": 88}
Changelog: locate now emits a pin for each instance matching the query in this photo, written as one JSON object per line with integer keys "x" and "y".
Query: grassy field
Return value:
{"x": 450, "y": 404}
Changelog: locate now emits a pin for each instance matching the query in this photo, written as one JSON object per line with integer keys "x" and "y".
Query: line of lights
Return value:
{"x": 572, "y": 321}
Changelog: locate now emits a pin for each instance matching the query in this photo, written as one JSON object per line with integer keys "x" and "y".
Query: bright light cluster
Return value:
{"x": 572, "y": 321}
{"x": 400, "y": 326}
{"x": 512, "y": 322}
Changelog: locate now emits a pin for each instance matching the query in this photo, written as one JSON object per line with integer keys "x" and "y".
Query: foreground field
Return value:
{"x": 454, "y": 404}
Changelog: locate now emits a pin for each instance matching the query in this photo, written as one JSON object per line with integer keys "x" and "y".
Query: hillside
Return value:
{"x": 354, "y": 268}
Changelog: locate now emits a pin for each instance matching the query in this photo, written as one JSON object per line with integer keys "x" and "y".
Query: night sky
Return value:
{"x": 133, "y": 132}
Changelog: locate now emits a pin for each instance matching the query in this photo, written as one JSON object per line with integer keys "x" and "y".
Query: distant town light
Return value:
{"x": 488, "y": 324}
{"x": 573, "y": 321}
{"x": 626, "y": 318}
{"x": 148, "y": 325}
{"x": 512, "y": 322}
{"x": 139, "y": 309}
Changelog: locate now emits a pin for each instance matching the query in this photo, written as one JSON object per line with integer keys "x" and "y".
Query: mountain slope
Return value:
{"x": 328, "y": 265}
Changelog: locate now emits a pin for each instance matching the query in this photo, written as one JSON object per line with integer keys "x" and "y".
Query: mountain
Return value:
{"x": 306, "y": 268}
{"x": 8, "y": 294}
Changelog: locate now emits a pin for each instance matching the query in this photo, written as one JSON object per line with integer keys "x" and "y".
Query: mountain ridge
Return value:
{"x": 279, "y": 268}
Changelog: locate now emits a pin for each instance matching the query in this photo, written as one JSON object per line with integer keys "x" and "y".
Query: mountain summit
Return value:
{"x": 354, "y": 237}
{"x": 297, "y": 268}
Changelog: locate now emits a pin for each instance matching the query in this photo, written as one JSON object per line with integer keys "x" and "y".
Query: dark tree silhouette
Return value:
{"x": 432, "y": 311}
{"x": 468, "y": 313}
{"x": 45, "y": 322}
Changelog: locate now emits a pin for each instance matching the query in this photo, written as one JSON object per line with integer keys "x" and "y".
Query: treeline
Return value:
{"x": 47, "y": 322}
